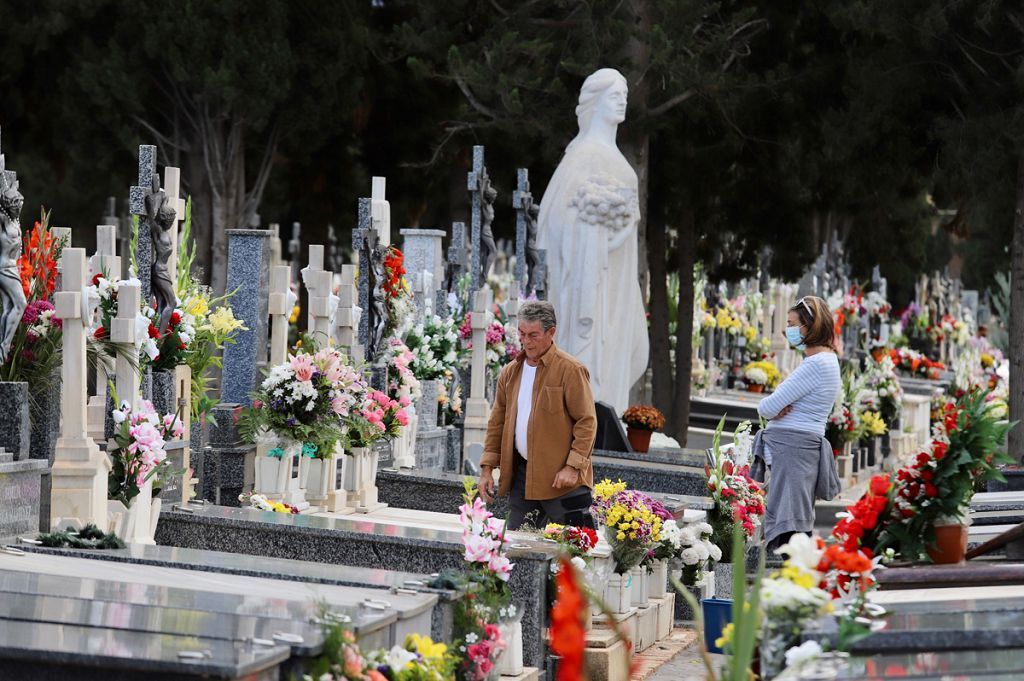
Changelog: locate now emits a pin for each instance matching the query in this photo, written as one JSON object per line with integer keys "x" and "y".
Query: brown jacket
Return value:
{"x": 562, "y": 428}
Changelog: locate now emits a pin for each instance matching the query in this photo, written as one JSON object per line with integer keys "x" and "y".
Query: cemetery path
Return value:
{"x": 676, "y": 658}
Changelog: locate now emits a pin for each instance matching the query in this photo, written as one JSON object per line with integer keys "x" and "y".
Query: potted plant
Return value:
{"x": 641, "y": 422}
{"x": 761, "y": 375}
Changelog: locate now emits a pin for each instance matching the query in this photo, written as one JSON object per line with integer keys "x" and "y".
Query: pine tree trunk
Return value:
{"x": 685, "y": 246}
{"x": 1016, "y": 354}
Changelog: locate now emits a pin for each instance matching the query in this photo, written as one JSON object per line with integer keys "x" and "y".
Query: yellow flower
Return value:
{"x": 750, "y": 333}
{"x": 197, "y": 306}
{"x": 620, "y": 536}
{"x": 223, "y": 322}
{"x": 799, "y": 577}
{"x": 873, "y": 423}
{"x": 987, "y": 360}
{"x": 726, "y": 637}
{"x": 607, "y": 489}
{"x": 293, "y": 318}
{"x": 426, "y": 647}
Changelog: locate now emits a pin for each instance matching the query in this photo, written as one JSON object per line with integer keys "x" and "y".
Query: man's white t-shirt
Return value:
{"x": 525, "y": 406}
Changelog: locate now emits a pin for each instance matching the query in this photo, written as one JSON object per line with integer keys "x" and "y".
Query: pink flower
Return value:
{"x": 302, "y": 365}
{"x": 340, "y": 404}
{"x": 404, "y": 400}
{"x": 500, "y": 565}
{"x": 402, "y": 417}
{"x": 478, "y": 549}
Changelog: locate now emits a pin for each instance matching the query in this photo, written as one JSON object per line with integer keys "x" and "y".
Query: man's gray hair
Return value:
{"x": 539, "y": 311}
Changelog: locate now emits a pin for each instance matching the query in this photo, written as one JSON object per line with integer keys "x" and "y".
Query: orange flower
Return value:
{"x": 567, "y": 634}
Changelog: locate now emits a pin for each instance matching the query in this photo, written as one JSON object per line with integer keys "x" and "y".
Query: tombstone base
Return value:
{"x": 21, "y": 491}
{"x": 431, "y": 449}
{"x": 79, "y": 484}
{"x": 15, "y": 432}
{"x": 404, "y": 447}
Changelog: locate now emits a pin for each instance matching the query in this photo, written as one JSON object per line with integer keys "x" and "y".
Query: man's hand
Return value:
{"x": 487, "y": 486}
{"x": 785, "y": 410}
{"x": 567, "y": 477}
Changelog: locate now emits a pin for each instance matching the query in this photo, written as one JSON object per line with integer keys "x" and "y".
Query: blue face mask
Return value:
{"x": 794, "y": 337}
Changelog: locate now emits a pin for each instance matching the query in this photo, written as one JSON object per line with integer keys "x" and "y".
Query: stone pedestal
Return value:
{"x": 20, "y": 494}
{"x": 44, "y": 417}
{"x": 426, "y": 404}
{"x": 228, "y": 464}
{"x": 453, "y": 455}
{"x": 431, "y": 449}
{"x": 360, "y": 475}
{"x": 15, "y": 432}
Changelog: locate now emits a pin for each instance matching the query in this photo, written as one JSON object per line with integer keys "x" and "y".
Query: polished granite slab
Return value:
{"x": 304, "y": 636}
{"x": 676, "y": 457}
{"x": 350, "y": 540}
{"x": 961, "y": 665}
{"x": 40, "y": 650}
{"x": 217, "y": 592}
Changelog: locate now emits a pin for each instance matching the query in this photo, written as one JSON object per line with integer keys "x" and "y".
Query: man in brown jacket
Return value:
{"x": 541, "y": 430}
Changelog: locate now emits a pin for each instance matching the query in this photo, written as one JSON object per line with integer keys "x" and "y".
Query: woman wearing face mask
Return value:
{"x": 793, "y": 445}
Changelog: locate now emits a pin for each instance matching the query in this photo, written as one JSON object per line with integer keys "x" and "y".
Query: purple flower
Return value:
{"x": 34, "y": 309}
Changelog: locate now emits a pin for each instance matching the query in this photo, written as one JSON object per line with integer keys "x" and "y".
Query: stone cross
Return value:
{"x": 80, "y": 469}
{"x": 477, "y": 408}
{"x": 474, "y": 184}
{"x": 456, "y": 254}
{"x": 248, "y": 274}
{"x": 380, "y": 212}
{"x": 319, "y": 287}
{"x": 110, "y": 217}
{"x": 295, "y": 249}
{"x": 360, "y": 236}
{"x": 310, "y": 281}
{"x": 522, "y": 201}
{"x": 335, "y": 256}
{"x": 346, "y": 319}
{"x": 172, "y": 187}
{"x": 137, "y": 206}
{"x": 127, "y": 383}
{"x": 106, "y": 261}
{"x": 278, "y": 310}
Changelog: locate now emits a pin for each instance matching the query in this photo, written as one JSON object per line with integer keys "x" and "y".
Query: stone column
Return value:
{"x": 248, "y": 275}
{"x": 80, "y": 469}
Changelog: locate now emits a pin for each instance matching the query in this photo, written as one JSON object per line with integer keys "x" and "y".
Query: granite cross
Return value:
{"x": 456, "y": 255}
{"x": 522, "y": 201}
{"x": 475, "y": 185}
{"x": 137, "y": 207}
{"x": 360, "y": 236}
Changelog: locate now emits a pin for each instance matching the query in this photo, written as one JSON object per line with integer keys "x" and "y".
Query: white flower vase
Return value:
{"x": 274, "y": 477}
{"x": 657, "y": 579}
{"x": 136, "y": 523}
{"x": 638, "y": 587}
{"x": 617, "y": 592}
{"x": 117, "y": 518}
{"x": 360, "y": 475}
{"x": 511, "y": 661}
{"x": 318, "y": 483}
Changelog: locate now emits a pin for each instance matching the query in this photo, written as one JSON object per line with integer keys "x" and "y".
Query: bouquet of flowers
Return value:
{"x": 258, "y": 501}
{"x": 631, "y": 526}
{"x": 872, "y": 424}
{"x": 377, "y": 417}
{"x": 36, "y": 344}
{"x": 644, "y": 417}
{"x": 304, "y": 401}
{"x": 842, "y": 426}
{"x": 435, "y": 348}
{"x": 401, "y": 378}
{"x": 397, "y": 291}
{"x": 139, "y": 454}
{"x": 174, "y": 345}
{"x": 762, "y": 373}
{"x": 502, "y": 340}
{"x": 603, "y": 202}
{"x": 880, "y": 389}
{"x": 420, "y": 659}
{"x": 914, "y": 363}
{"x": 737, "y": 498}
{"x": 449, "y": 399}
{"x": 577, "y": 541}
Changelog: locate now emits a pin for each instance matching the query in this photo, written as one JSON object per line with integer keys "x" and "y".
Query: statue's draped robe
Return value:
{"x": 596, "y": 292}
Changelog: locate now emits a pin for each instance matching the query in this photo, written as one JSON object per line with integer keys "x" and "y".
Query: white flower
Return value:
{"x": 803, "y": 552}
{"x": 716, "y": 553}
{"x": 690, "y": 556}
{"x": 471, "y": 638}
{"x": 150, "y": 349}
{"x": 398, "y": 657}
{"x": 802, "y": 654}
{"x": 118, "y": 416}
{"x": 578, "y": 563}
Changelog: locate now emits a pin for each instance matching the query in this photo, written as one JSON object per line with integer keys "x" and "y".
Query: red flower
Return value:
{"x": 930, "y": 490}
{"x": 153, "y": 331}
{"x": 96, "y": 279}
{"x": 175, "y": 319}
{"x": 567, "y": 635}
{"x": 939, "y": 450}
{"x": 880, "y": 484}
{"x": 99, "y": 333}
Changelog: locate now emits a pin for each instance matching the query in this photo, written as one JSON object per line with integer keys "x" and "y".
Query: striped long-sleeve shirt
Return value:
{"x": 811, "y": 390}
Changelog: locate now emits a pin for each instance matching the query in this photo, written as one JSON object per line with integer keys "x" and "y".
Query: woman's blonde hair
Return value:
{"x": 815, "y": 314}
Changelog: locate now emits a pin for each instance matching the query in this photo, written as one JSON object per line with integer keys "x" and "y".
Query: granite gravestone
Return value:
{"x": 249, "y": 277}
{"x": 137, "y": 207}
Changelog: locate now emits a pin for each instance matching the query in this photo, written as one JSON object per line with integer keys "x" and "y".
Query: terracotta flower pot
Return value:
{"x": 755, "y": 388}
{"x": 950, "y": 544}
{"x": 639, "y": 439}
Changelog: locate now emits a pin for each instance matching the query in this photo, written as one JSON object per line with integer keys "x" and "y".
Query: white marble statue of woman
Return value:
{"x": 588, "y": 224}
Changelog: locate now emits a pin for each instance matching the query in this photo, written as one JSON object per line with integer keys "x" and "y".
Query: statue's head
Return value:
{"x": 603, "y": 96}
{"x": 11, "y": 199}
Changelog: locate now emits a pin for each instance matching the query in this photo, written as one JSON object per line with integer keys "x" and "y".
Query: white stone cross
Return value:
{"x": 477, "y": 408}
{"x": 172, "y": 188}
{"x": 278, "y": 309}
{"x": 347, "y": 318}
{"x": 380, "y": 211}
{"x": 80, "y": 469}
{"x": 316, "y": 264}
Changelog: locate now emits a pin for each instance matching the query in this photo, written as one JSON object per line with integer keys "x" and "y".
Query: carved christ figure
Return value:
{"x": 12, "y": 295}
{"x": 161, "y": 218}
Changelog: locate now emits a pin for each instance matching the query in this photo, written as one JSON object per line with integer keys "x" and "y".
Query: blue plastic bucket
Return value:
{"x": 717, "y": 614}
